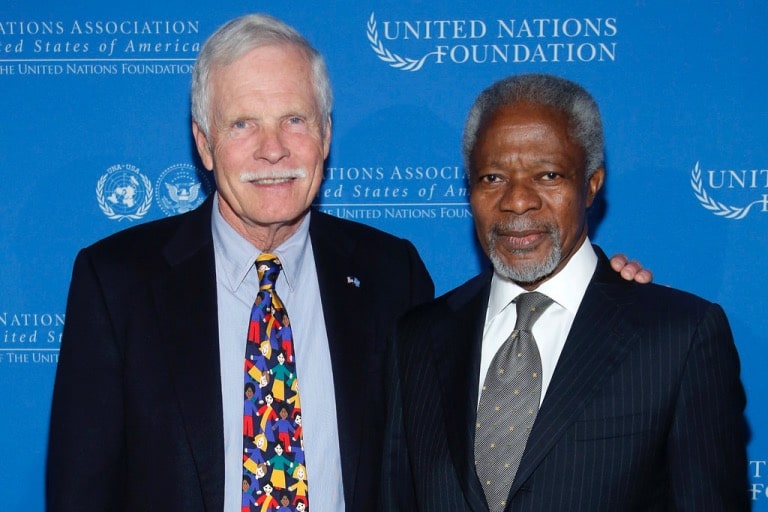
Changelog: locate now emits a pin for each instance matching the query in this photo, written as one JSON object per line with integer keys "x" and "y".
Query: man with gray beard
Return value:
{"x": 607, "y": 395}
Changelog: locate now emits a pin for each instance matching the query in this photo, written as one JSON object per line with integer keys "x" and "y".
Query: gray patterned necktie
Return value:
{"x": 509, "y": 402}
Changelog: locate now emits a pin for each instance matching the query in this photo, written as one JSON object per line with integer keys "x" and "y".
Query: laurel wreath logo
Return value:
{"x": 110, "y": 213}
{"x": 716, "y": 207}
{"x": 394, "y": 60}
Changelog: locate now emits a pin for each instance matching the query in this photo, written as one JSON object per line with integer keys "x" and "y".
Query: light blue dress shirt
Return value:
{"x": 237, "y": 283}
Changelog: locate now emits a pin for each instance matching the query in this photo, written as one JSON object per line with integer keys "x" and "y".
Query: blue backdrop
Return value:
{"x": 96, "y": 138}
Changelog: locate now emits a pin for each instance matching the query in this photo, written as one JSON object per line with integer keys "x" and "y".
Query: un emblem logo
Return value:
{"x": 124, "y": 193}
{"x": 181, "y": 188}
{"x": 731, "y": 179}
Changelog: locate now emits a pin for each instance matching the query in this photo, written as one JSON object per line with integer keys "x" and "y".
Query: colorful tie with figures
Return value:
{"x": 509, "y": 403}
{"x": 274, "y": 471}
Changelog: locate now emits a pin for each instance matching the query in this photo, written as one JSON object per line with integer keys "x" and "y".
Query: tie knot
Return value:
{"x": 268, "y": 267}
{"x": 530, "y": 307}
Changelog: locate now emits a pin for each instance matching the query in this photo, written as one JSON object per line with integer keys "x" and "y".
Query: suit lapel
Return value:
{"x": 596, "y": 343}
{"x": 186, "y": 302}
{"x": 351, "y": 334}
{"x": 456, "y": 345}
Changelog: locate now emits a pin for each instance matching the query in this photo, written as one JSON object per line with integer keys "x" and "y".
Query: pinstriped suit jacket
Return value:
{"x": 644, "y": 410}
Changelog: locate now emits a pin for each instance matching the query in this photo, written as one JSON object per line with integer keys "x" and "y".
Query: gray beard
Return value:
{"x": 529, "y": 272}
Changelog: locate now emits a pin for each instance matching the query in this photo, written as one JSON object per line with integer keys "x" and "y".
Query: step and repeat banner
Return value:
{"x": 96, "y": 138}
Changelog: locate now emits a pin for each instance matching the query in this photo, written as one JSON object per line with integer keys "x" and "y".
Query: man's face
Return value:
{"x": 528, "y": 192}
{"x": 266, "y": 147}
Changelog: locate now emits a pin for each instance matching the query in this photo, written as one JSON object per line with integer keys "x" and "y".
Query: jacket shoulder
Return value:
{"x": 154, "y": 241}
{"x": 646, "y": 299}
{"x": 471, "y": 293}
{"x": 327, "y": 225}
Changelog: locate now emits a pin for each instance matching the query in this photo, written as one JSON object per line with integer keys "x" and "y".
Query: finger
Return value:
{"x": 634, "y": 270}
{"x": 631, "y": 268}
{"x": 618, "y": 262}
{"x": 644, "y": 276}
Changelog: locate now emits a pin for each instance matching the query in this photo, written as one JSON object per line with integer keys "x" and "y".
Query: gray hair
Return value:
{"x": 584, "y": 124}
{"x": 236, "y": 38}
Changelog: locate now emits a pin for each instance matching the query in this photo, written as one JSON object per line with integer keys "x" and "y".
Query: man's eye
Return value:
{"x": 240, "y": 124}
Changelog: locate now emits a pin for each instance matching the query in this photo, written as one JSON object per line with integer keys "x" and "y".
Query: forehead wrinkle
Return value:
{"x": 525, "y": 144}
{"x": 524, "y": 159}
{"x": 249, "y": 87}
{"x": 500, "y": 155}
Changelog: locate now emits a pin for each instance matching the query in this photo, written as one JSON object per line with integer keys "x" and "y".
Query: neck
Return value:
{"x": 265, "y": 237}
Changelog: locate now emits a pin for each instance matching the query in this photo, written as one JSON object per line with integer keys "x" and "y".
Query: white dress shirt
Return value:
{"x": 237, "y": 283}
{"x": 566, "y": 289}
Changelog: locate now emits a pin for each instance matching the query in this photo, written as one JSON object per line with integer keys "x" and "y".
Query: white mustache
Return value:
{"x": 286, "y": 174}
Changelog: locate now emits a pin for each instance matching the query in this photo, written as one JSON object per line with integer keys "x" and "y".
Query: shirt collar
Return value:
{"x": 566, "y": 288}
{"x": 238, "y": 255}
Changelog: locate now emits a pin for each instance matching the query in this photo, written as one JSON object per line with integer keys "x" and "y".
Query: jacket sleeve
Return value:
{"x": 85, "y": 445}
{"x": 706, "y": 445}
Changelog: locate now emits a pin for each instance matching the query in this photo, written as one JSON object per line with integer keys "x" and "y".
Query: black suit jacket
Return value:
{"x": 644, "y": 410}
{"x": 136, "y": 421}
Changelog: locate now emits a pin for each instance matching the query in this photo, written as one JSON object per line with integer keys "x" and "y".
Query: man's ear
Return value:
{"x": 327, "y": 138}
{"x": 203, "y": 147}
{"x": 594, "y": 184}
